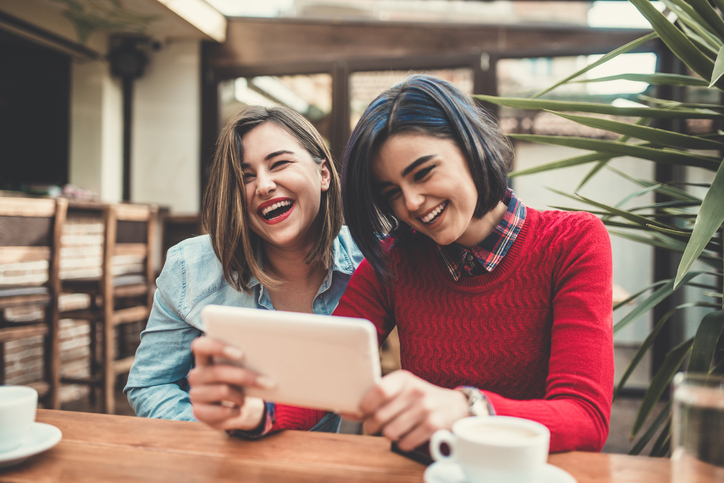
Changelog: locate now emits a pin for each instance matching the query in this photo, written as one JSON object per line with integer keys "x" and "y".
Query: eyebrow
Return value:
{"x": 408, "y": 169}
{"x": 417, "y": 163}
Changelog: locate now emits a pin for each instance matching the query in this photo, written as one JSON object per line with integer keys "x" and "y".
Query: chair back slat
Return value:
{"x": 130, "y": 250}
{"x": 24, "y": 254}
{"x": 27, "y": 207}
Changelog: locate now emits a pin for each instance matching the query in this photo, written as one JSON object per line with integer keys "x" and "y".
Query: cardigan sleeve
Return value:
{"x": 579, "y": 387}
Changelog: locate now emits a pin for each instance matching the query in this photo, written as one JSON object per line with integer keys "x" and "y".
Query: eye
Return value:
{"x": 391, "y": 194}
{"x": 280, "y": 164}
{"x": 249, "y": 177}
{"x": 421, "y": 174}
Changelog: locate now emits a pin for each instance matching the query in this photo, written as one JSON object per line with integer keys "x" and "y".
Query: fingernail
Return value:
{"x": 266, "y": 382}
{"x": 233, "y": 353}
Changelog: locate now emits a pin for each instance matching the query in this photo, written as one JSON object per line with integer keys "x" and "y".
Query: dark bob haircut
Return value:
{"x": 225, "y": 214}
{"x": 429, "y": 106}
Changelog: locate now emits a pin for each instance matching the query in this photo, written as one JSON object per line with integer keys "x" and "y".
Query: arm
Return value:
{"x": 579, "y": 388}
{"x": 157, "y": 384}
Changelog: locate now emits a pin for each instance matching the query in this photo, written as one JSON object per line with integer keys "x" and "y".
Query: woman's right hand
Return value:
{"x": 217, "y": 393}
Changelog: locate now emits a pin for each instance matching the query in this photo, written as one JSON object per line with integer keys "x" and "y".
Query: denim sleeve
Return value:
{"x": 157, "y": 384}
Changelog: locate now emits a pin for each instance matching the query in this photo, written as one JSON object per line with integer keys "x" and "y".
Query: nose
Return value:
{"x": 413, "y": 199}
{"x": 264, "y": 184}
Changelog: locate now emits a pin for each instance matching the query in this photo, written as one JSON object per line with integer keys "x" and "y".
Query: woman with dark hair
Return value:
{"x": 272, "y": 209}
{"x": 500, "y": 308}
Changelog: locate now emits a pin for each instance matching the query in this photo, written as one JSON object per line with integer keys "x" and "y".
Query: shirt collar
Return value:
{"x": 486, "y": 255}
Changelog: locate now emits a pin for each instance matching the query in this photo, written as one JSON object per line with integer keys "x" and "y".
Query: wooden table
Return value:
{"x": 99, "y": 448}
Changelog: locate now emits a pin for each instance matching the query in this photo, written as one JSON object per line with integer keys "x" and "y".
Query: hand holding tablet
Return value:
{"x": 316, "y": 361}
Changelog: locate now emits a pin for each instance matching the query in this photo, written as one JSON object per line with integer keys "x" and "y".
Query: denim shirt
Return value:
{"x": 191, "y": 279}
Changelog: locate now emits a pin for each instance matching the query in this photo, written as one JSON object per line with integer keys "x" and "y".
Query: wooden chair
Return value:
{"x": 30, "y": 231}
{"x": 122, "y": 295}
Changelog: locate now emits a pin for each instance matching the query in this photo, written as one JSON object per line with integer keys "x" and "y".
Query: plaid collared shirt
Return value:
{"x": 488, "y": 253}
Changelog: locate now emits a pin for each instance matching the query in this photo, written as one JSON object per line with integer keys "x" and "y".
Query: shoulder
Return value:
{"x": 191, "y": 271}
{"x": 347, "y": 256}
{"x": 567, "y": 224}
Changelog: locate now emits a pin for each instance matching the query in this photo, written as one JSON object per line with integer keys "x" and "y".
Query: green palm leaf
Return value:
{"x": 679, "y": 44}
{"x": 705, "y": 341}
{"x": 660, "y": 382}
{"x": 709, "y": 220}
{"x": 704, "y": 8}
{"x": 655, "y": 425}
{"x": 597, "y": 108}
{"x": 563, "y": 163}
{"x": 718, "y": 68}
{"x": 656, "y": 136}
{"x": 676, "y": 158}
{"x": 653, "y": 79}
{"x": 652, "y": 301}
{"x": 621, "y": 50}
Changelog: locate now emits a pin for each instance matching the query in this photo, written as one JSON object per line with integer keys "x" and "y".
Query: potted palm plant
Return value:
{"x": 685, "y": 223}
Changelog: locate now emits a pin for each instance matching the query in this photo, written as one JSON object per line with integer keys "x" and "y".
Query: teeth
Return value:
{"x": 431, "y": 216}
{"x": 273, "y": 207}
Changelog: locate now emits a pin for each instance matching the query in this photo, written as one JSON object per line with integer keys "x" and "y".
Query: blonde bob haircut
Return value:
{"x": 225, "y": 214}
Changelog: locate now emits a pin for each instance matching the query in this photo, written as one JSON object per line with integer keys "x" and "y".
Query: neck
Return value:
{"x": 485, "y": 225}
{"x": 290, "y": 265}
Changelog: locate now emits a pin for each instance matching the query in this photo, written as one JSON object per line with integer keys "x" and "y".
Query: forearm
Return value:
{"x": 166, "y": 401}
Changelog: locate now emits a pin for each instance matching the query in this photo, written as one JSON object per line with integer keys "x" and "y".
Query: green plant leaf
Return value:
{"x": 597, "y": 108}
{"x": 662, "y": 188}
{"x": 679, "y": 44}
{"x": 663, "y": 442}
{"x": 650, "y": 302}
{"x": 676, "y": 158}
{"x": 644, "y": 348}
{"x": 626, "y": 215}
{"x": 718, "y": 68}
{"x": 663, "y": 416}
{"x": 653, "y": 135}
{"x": 676, "y": 104}
{"x": 653, "y": 79}
{"x": 661, "y": 382}
{"x": 705, "y": 10}
{"x": 689, "y": 17}
{"x": 643, "y": 151}
{"x": 642, "y": 121}
{"x": 705, "y": 341}
{"x": 710, "y": 218}
{"x": 638, "y": 294}
{"x": 621, "y": 50}
{"x": 563, "y": 163}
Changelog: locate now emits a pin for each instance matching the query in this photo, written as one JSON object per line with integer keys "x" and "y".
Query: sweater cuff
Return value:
{"x": 264, "y": 428}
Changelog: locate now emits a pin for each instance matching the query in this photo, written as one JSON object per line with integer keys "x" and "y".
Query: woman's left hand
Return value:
{"x": 408, "y": 409}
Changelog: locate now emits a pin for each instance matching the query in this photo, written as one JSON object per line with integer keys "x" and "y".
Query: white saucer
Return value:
{"x": 452, "y": 473}
{"x": 40, "y": 438}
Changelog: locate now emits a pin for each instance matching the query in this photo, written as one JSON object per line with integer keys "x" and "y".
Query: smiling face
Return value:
{"x": 283, "y": 187}
{"x": 428, "y": 184}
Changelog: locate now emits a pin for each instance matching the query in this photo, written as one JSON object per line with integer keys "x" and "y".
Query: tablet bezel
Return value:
{"x": 317, "y": 361}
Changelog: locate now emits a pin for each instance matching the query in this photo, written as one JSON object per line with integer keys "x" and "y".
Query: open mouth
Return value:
{"x": 433, "y": 216}
{"x": 276, "y": 210}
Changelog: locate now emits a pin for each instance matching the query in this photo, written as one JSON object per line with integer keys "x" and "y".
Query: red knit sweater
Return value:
{"x": 535, "y": 334}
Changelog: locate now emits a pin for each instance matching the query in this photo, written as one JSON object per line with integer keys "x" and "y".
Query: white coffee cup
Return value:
{"x": 17, "y": 415}
{"x": 495, "y": 448}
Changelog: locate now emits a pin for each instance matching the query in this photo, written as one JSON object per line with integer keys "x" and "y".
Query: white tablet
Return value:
{"x": 317, "y": 361}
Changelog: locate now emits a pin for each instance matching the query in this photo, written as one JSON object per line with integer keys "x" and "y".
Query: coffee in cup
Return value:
{"x": 17, "y": 415}
{"x": 494, "y": 448}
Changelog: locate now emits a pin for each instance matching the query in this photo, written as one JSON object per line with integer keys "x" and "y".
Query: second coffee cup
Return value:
{"x": 497, "y": 448}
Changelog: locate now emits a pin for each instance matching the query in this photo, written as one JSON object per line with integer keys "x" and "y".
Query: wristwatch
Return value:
{"x": 478, "y": 404}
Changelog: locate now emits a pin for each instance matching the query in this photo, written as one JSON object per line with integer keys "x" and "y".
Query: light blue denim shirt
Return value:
{"x": 191, "y": 279}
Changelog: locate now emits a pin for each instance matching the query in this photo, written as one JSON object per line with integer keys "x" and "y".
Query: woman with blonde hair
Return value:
{"x": 273, "y": 212}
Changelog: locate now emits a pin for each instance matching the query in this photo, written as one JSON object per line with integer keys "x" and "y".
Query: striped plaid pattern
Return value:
{"x": 488, "y": 253}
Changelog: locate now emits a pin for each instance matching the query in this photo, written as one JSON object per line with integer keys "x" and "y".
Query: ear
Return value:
{"x": 326, "y": 174}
